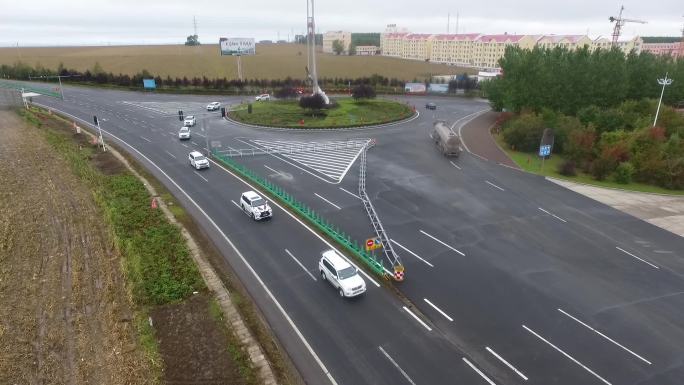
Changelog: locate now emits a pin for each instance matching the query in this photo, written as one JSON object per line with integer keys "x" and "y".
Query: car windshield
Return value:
{"x": 347, "y": 273}
{"x": 199, "y": 157}
{"x": 183, "y": 129}
{"x": 258, "y": 202}
{"x": 190, "y": 117}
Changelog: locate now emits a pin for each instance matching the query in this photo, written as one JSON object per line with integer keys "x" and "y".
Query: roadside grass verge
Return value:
{"x": 348, "y": 113}
{"x": 532, "y": 163}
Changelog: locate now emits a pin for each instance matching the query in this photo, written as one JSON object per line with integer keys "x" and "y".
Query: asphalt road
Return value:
{"x": 514, "y": 279}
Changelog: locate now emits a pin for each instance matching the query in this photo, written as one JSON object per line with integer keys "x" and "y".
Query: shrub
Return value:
{"x": 524, "y": 133}
{"x": 313, "y": 102}
{"x": 601, "y": 167}
{"x": 363, "y": 91}
{"x": 567, "y": 168}
{"x": 286, "y": 92}
{"x": 624, "y": 172}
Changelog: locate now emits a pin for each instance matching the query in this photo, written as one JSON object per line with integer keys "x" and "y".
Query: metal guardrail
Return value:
{"x": 387, "y": 248}
{"x": 305, "y": 212}
{"x": 26, "y": 87}
{"x": 292, "y": 148}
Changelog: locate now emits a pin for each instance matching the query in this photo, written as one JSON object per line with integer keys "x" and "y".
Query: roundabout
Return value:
{"x": 345, "y": 113}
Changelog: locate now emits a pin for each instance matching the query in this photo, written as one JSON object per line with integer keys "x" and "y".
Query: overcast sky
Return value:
{"x": 74, "y": 22}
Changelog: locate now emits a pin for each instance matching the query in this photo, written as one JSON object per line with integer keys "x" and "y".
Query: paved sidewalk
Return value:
{"x": 478, "y": 139}
{"x": 664, "y": 211}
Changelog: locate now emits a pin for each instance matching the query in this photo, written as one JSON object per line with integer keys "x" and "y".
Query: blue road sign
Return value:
{"x": 149, "y": 84}
{"x": 545, "y": 150}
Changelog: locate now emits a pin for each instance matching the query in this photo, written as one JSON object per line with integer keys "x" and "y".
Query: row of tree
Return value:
{"x": 569, "y": 80}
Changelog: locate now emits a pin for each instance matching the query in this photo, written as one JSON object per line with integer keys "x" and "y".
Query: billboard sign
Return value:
{"x": 438, "y": 88}
{"x": 414, "y": 88}
{"x": 149, "y": 84}
{"x": 237, "y": 46}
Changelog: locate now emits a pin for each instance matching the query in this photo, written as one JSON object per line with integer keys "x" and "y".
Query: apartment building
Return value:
{"x": 570, "y": 42}
{"x": 417, "y": 46}
{"x": 671, "y": 49}
{"x": 488, "y": 49}
{"x": 453, "y": 49}
{"x": 366, "y": 50}
{"x": 392, "y": 44}
{"x": 330, "y": 36}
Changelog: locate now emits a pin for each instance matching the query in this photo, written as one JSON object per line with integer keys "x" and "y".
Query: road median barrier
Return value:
{"x": 305, "y": 212}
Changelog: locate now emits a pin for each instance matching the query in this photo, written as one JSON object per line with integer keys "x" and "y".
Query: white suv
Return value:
{"x": 255, "y": 206}
{"x": 263, "y": 97}
{"x": 189, "y": 121}
{"x": 184, "y": 133}
{"x": 341, "y": 274}
{"x": 197, "y": 160}
{"x": 213, "y": 106}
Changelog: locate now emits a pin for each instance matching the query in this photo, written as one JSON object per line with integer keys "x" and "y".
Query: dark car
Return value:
{"x": 431, "y": 106}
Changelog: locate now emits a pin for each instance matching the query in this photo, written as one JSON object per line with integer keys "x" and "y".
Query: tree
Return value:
{"x": 338, "y": 47}
{"x": 363, "y": 91}
{"x": 313, "y": 102}
{"x": 192, "y": 40}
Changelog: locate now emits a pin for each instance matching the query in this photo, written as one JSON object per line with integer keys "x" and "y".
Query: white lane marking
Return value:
{"x": 492, "y": 184}
{"x": 642, "y": 260}
{"x": 553, "y": 215}
{"x": 428, "y": 235}
{"x": 195, "y": 143}
{"x": 411, "y": 252}
{"x": 480, "y": 156}
{"x": 567, "y": 355}
{"x": 439, "y": 310}
{"x": 236, "y": 205}
{"x": 417, "y": 319}
{"x": 300, "y": 264}
{"x": 605, "y": 336}
{"x": 474, "y": 115}
{"x": 232, "y": 245}
{"x": 301, "y": 223}
{"x": 403, "y": 373}
{"x": 170, "y": 154}
{"x": 275, "y": 171}
{"x": 478, "y": 371}
{"x": 350, "y": 193}
{"x": 146, "y": 139}
{"x": 200, "y": 175}
{"x": 185, "y": 145}
{"x": 511, "y": 167}
{"x": 332, "y": 204}
{"x": 455, "y": 165}
{"x": 506, "y": 363}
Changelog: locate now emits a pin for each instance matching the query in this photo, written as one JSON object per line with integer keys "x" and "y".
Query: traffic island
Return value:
{"x": 343, "y": 113}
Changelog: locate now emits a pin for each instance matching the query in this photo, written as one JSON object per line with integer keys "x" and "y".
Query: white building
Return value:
{"x": 330, "y": 36}
{"x": 366, "y": 50}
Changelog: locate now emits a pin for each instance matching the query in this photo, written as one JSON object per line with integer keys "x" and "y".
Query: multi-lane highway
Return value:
{"x": 510, "y": 279}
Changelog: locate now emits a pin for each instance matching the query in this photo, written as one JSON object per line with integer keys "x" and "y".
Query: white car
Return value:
{"x": 213, "y": 106}
{"x": 184, "y": 133}
{"x": 198, "y": 161}
{"x": 262, "y": 97}
{"x": 341, "y": 274}
{"x": 255, "y": 206}
{"x": 189, "y": 121}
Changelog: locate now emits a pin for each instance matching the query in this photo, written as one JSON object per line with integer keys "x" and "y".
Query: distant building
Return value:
{"x": 330, "y": 36}
{"x": 366, "y": 50}
{"x": 671, "y": 49}
{"x": 265, "y": 42}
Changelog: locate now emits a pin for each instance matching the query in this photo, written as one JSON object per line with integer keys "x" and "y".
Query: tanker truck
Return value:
{"x": 446, "y": 140}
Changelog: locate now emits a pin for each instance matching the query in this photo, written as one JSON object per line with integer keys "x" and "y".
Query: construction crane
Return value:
{"x": 619, "y": 22}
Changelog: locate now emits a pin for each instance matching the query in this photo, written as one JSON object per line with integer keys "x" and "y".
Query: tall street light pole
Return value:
{"x": 663, "y": 82}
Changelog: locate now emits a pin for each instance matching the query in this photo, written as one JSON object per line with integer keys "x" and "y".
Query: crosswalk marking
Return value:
{"x": 332, "y": 159}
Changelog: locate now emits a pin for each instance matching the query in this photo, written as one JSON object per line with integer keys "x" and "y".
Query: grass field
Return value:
{"x": 532, "y": 163}
{"x": 272, "y": 61}
{"x": 349, "y": 113}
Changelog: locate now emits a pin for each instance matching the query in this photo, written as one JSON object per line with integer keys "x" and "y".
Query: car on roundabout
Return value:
{"x": 184, "y": 133}
{"x": 213, "y": 106}
{"x": 431, "y": 106}
{"x": 189, "y": 121}
{"x": 262, "y": 97}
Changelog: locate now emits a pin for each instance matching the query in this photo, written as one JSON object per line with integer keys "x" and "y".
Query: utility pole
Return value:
{"x": 59, "y": 78}
{"x": 448, "y": 20}
{"x": 456, "y": 22}
{"x": 663, "y": 82}
{"x": 194, "y": 23}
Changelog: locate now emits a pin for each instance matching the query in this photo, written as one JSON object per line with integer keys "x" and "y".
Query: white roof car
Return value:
{"x": 263, "y": 97}
{"x": 255, "y": 206}
{"x": 189, "y": 121}
{"x": 184, "y": 133}
{"x": 213, "y": 106}
{"x": 197, "y": 160}
{"x": 341, "y": 274}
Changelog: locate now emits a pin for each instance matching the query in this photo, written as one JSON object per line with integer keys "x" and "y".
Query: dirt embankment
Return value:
{"x": 65, "y": 317}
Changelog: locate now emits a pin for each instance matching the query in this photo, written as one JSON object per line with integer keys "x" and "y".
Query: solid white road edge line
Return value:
{"x": 236, "y": 205}
{"x": 605, "y": 336}
{"x": 232, "y": 245}
{"x": 567, "y": 355}
{"x": 439, "y": 310}
{"x": 350, "y": 193}
{"x": 170, "y": 154}
{"x": 642, "y": 260}
{"x": 426, "y": 234}
{"x": 275, "y": 171}
{"x": 478, "y": 371}
{"x": 474, "y": 115}
{"x": 454, "y": 164}
{"x": 506, "y": 363}
{"x": 492, "y": 184}
{"x": 417, "y": 319}
{"x": 300, "y": 265}
{"x": 559, "y": 218}
{"x": 403, "y": 373}
{"x": 332, "y": 204}
{"x": 411, "y": 252}
{"x": 144, "y": 138}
